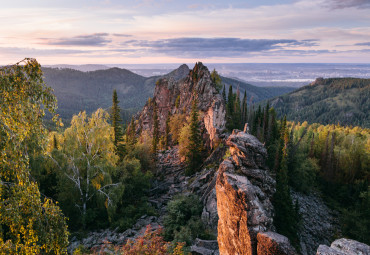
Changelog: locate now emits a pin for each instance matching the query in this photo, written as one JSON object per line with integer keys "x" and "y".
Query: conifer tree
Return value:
{"x": 266, "y": 123}
{"x": 155, "y": 138}
{"x": 224, "y": 94}
{"x": 244, "y": 109}
{"x": 217, "y": 80}
{"x": 195, "y": 147}
{"x": 230, "y": 109}
{"x": 237, "y": 111}
{"x": 117, "y": 125}
{"x": 286, "y": 220}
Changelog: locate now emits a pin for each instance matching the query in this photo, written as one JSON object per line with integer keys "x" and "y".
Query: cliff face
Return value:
{"x": 244, "y": 191}
{"x": 175, "y": 97}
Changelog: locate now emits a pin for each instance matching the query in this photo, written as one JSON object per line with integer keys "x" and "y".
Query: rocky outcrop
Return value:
{"x": 244, "y": 190}
{"x": 98, "y": 239}
{"x": 271, "y": 243}
{"x": 176, "y": 97}
{"x": 318, "y": 222}
{"x": 344, "y": 246}
{"x": 204, "y": 247}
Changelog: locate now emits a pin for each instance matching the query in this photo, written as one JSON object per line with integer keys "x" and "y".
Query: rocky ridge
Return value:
{"x": 176, "y": 97}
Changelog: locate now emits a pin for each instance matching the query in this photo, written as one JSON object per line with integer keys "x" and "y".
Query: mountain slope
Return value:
{"x": 77, "y": 91}
{"x": 328, "y": 101}
{"x": 255, "y": 93}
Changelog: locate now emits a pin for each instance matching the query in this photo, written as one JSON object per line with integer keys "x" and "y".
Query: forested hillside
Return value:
{"x": 328, "y": 101}
{"x": 87, "y": 91}
{"x": 254, "y": 93}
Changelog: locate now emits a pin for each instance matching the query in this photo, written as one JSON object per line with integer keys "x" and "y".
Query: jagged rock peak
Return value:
{"x": 244, "y": 190}
{"x": 176, "y": 97}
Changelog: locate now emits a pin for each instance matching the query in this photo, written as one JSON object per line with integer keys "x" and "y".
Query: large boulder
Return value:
{"x": 344, "y": 246}
{"x": 271, "y": 243}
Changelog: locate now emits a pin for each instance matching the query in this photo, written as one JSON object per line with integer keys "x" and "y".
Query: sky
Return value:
{"x": 178, "y": 31}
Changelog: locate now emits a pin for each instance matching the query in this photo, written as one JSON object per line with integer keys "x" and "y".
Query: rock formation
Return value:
{"x": 244, "y": 191}
{"x": 318, "y": 222}
{"x": 274, "y": 244}
{"x": 177, "y": 97}
{"x": 344, "y": 246}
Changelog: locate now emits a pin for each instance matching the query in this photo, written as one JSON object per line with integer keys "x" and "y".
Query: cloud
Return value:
{"x": 363, "y": 44}
{"x": 121, "y": 35}
{"x": 215, "y": 47}
{"x": 341, "y": 4}
{"x": 32, "y": 52}
{"x": 97, "y": 39}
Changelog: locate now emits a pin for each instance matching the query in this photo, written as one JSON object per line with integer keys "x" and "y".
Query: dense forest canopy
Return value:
{"x": 328, "y": 101}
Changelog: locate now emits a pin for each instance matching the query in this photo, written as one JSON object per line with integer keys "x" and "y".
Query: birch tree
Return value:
{"x": 88, "y": 161}
{"x": 29, "y": 224}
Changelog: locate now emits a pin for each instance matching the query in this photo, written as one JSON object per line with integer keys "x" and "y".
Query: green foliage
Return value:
{"x": 224, "y": 94}
{"x": 216, "y": 80}
{"x": 286, "y": 218}
{"x": 195, "y": 147}
{"x": 184, "y": 140}
{"x": 142, "y": 151}
{"x": 177, "y": 121}
{"x": 235, "y": 112}
{"x": 331, "y": 101}
{"x": 29, "y": 224}
{"x": 117, "y": 126}
{"x": 177, "y": 103}
{"x": 334, "y": 159}
{"x": 182, "y": 222}
{"x": 256, "y": 93}
{"x": 134, "y": 199}
{"x": 86, "y": 168}
{"x": 78, "y": 90}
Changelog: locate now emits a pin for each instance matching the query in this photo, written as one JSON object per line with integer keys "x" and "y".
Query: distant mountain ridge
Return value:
{"x": 78, "y": 90}
{"x": 328, "y": 101}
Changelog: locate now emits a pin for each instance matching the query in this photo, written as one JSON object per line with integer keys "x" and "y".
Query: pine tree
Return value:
{"x": 244, "y": 109}
{"x": 286, "y": 220}
{"x": 217, "y": 80}
{"x": 237, "y": 111}
{"x": 117, "y": 125}
{"x": 266, "y": 123}
{"x": 155, "y": 138}
{"x": 224, "y": 94}
{"x": 195, "y": 147}
{"x": 230, "y": 109}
